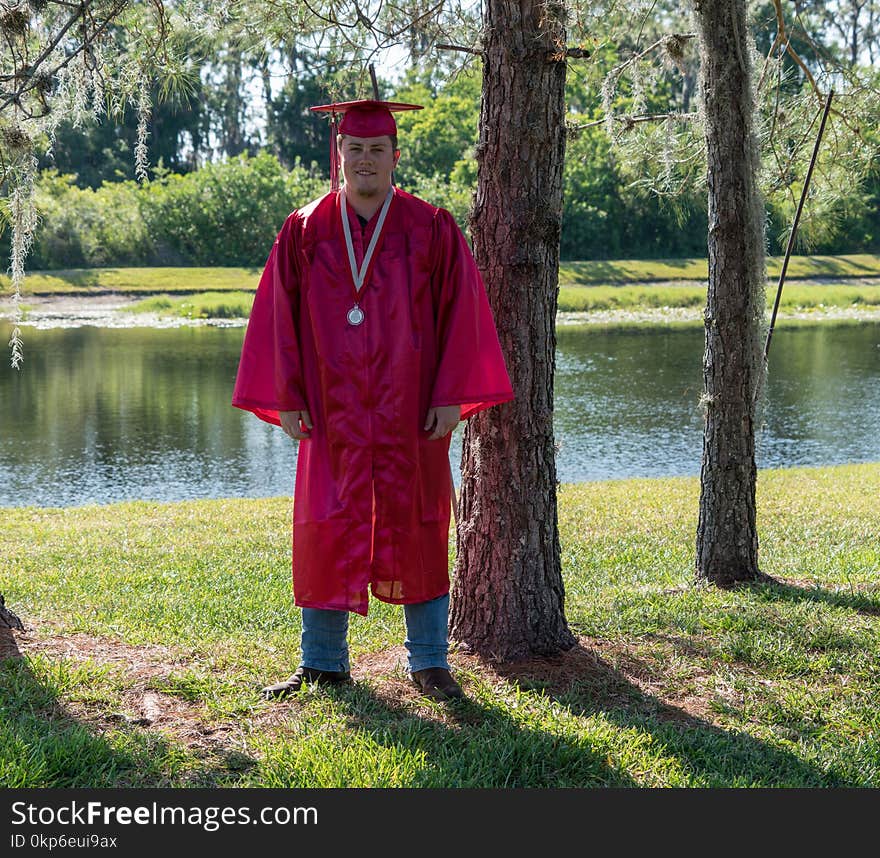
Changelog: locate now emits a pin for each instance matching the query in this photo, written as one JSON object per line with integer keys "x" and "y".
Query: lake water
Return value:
{"x": 97, "y": 415}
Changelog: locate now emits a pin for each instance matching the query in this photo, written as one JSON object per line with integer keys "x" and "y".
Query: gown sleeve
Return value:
{"x": 269, "y": 377}
{"x": 470, "y": 371}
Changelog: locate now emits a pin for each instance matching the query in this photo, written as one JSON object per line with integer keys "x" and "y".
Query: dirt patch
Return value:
{"x": 142, "y": 668}
{"x": 593, "y": 676}
{"x": 598, "y": 675}
{"x": 387, "y": 675}
{"x": 384, "y": 662}
{"x": 144, "y": 661}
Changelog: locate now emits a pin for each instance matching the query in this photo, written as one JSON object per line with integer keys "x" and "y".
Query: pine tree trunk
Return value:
{"x": 508, "y": 594}
{"x": 233, "y": 105}
{"x": 727, "y": 538}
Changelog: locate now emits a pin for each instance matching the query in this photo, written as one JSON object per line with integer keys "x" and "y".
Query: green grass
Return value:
{"x": 204, "y": 305}
{"x": 795, "y": 296}
{"x": 85, "y": 281}
{"x": 609, "y": 272}
{"x": 621, "y": 285}
{"x": 188, "y": 605}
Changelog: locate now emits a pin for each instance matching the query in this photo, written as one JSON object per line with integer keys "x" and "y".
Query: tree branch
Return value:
{"x": 659, "y": 43}
{"x": 820, "y": 96}
{"x": 415, "y": 21}
{"x": 568, "y": 53}
{"x": 475, "y": 51}
{"x": 633, "y": 120}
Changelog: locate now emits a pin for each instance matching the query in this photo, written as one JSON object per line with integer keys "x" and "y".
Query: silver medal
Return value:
{"x": 355, "y": 315}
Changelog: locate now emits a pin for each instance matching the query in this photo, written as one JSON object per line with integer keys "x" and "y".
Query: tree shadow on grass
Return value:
{"x": 467, "y": 744}
{"x": 44, "y": 745}
{"x": 79, "y": 277}
{"x": 861, "y": 603}
{"x": 581, "y": 273}
{"x": 470, "y": 744}
{"x": 831, "y": 267}
{"x": 714, "y": 757}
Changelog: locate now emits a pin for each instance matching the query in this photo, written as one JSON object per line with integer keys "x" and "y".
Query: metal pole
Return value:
{"x": 794, "y": 226}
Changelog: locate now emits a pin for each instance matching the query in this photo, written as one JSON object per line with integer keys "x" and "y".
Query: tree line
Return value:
{"x": 220, "y": 186}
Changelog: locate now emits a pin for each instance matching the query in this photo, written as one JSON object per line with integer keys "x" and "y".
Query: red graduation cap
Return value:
{"x": 364, "y": 118}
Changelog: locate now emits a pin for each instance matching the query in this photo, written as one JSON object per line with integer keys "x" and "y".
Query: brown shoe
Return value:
{"x": 303, "y": 675}
{"x": 437, "y": 683}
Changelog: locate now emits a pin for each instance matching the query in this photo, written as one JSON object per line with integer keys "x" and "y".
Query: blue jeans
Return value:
{"x": 325, "y": 636}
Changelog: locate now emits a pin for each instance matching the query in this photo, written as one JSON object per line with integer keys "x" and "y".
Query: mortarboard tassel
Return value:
{"x": 334, "y": 157}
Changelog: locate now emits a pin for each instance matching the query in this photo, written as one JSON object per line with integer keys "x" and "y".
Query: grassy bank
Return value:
{"x": 204, "y": 305}
{"x": 590, "y": 273}
{"x": 95, "y": 281}
{"x": 601, "y": 272}
{"x": 153, "y": 625}
{"x": 795, "y": 297}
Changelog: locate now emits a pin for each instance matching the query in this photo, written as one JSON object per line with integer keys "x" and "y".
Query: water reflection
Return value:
{"x": 97, "y": 415}
{"x": 100, "y": 415}
{"x": 627, "y": 404}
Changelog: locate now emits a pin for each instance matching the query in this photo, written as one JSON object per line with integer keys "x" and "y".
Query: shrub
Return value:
{"x": 226, "y": 213}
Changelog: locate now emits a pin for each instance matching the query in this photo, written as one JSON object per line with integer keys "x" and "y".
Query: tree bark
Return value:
{"x": 727, "y": 538}
{"x": 8, "y": 620}
{"x": 508, "y": 594}
{"x": 232, "y": 106}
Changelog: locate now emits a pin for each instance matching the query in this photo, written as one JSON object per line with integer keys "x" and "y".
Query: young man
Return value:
{"x": 369, "y": 339}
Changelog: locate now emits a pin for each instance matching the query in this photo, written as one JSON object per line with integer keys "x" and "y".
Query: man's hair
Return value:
{"x": 392, "y": 137}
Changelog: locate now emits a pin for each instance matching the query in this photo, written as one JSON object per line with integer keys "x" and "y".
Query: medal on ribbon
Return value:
{"x": 355, "y": 315}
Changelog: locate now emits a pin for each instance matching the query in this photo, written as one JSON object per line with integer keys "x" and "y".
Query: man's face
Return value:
{"x": 367, "y": 164}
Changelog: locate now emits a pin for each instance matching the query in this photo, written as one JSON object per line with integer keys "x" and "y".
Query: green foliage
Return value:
{"x": 227, "y": 213}
{"x": 453, "y": 196}
{"x": 443, "y": 133}
{"x": 621, "y": 200}
{"x": 608, "y": 213}
{"x": 592, "y": 199}
{"x": 103, "y": 150}
{"x": 88, "y": 228}
{"x": 642, "y": 196}
{"x": 437, "y": 160}
{"x": 292, "y": 131}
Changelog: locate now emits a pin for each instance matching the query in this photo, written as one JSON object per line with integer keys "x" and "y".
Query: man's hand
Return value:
{"x": 290, "y": 423}
{"x": 442, "y": 419}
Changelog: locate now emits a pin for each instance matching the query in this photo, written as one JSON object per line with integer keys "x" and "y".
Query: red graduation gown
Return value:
{"x": 372, "y": 497}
